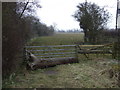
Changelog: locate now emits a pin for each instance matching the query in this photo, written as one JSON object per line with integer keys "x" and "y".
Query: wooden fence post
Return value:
{"x": 84, "y": 53}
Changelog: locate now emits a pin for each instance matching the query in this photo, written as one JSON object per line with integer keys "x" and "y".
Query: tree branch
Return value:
{"x": 24, "y": 9}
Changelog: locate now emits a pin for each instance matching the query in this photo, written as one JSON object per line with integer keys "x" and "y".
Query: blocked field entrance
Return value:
{"x": 53, "y": 55}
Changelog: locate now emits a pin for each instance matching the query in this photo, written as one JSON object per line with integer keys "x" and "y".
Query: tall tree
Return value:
{"x": 12, "y": 38}
{"x": 14, "y": 32}
{"x": 92, "y": 19}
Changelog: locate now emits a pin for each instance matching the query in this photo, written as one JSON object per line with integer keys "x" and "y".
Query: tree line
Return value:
{"x": 18, "y": 26}
{"x": 70, "y": 31}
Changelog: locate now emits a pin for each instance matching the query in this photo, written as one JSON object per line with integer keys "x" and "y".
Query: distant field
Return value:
{"x": 58, "y": 39}
{"x": 63, "y": 39}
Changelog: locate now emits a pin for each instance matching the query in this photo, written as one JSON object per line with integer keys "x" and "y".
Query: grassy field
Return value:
{"x": 58, "y": 39}
{"x": 92, "y": 73}
{"x": 86, "y": 74}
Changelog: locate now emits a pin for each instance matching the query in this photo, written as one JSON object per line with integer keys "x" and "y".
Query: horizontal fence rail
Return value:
{"x": 57, "y": 51}
{"x": 53, "y": 51}
{"x": 55, "y": 56}
{"x": 51, "y": 46}
{"x": 94, "y": 52}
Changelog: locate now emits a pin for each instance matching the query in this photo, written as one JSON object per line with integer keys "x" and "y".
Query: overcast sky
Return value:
{"x": 60, "y": 12}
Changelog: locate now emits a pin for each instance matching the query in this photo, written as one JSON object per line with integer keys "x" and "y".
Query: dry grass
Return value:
{"x": 93, "y": 73}
{"x": 86, "y": 74}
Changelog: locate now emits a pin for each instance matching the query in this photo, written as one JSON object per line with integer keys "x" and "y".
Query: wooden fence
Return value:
{"x": 54, "y": 51}
{"x": 63, "y": 54}
{"x": 54, "y": 55}
{"x": 60, "y": 51}
{"x": 95, "y": 49}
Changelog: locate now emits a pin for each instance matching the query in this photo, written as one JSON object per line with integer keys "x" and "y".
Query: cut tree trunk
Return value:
{"x": 51, "y": 62}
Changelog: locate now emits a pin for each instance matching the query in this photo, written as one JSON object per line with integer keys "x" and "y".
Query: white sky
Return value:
{"x": 60, "y": 12}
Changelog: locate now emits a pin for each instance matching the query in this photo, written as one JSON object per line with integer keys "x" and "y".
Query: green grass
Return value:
{"x": 86, "y": 73}
{"x": 58, "y": 39}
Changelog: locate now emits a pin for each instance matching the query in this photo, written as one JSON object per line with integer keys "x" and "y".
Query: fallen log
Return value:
{"x": 50, "y": 56}
{"x": 35, "y": 63}
{"x": 50, "y": 62}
